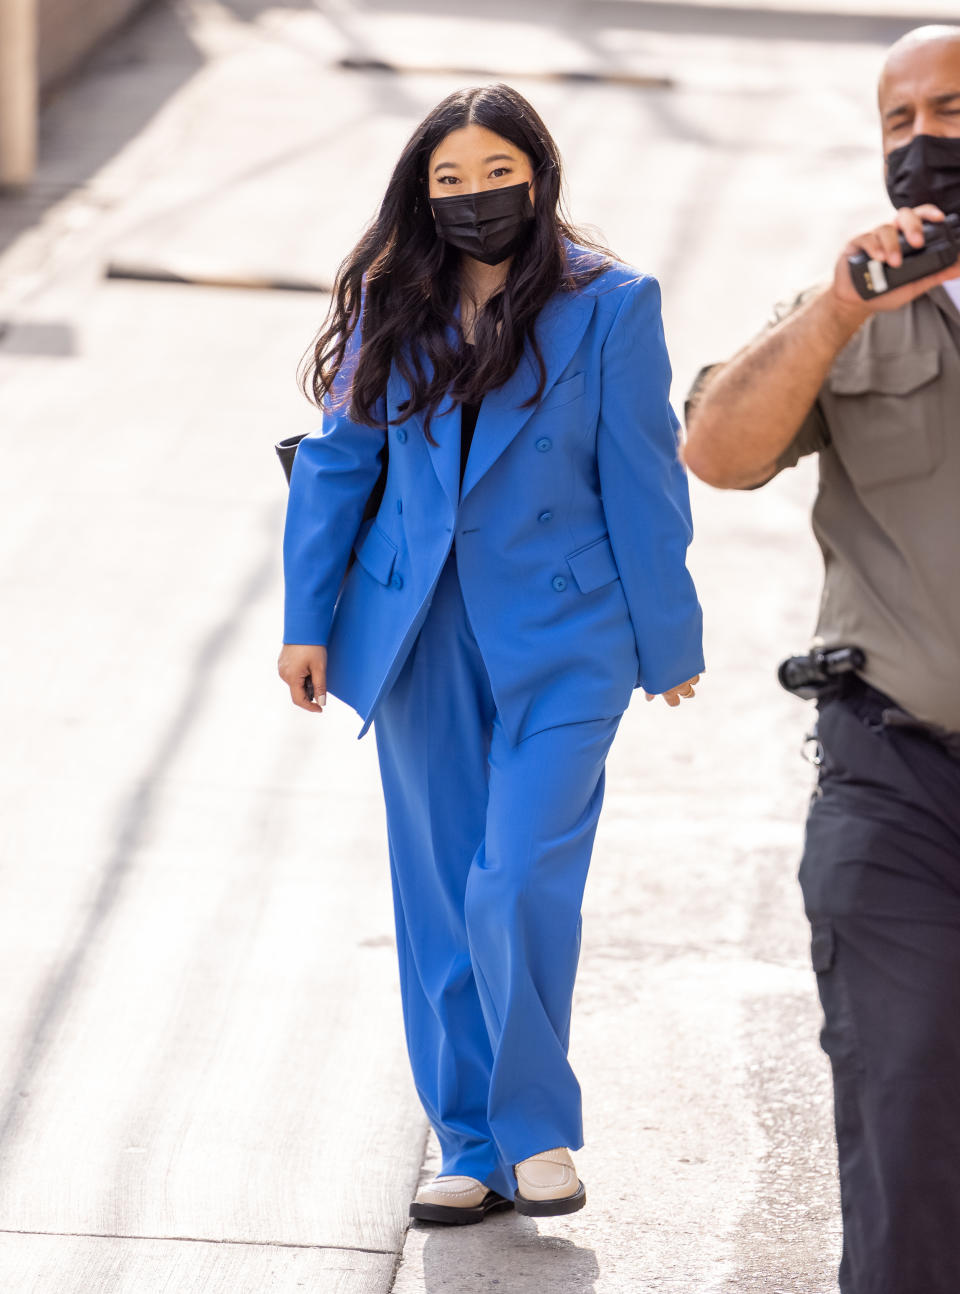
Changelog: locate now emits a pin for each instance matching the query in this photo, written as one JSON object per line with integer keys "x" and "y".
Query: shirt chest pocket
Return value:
{"x": 888, "y": 423}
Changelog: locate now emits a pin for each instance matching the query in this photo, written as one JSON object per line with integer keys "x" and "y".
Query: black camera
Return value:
{"x": 940, "y": 250}
{"x": 809, "y": 677}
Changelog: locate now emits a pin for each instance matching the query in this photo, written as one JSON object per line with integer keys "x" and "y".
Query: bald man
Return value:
{"x": 873, "y": 388}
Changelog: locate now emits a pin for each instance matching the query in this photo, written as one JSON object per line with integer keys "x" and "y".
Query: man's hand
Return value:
{"x": 682, "y": 692}
{"x": 299, "y": 662}
{"x": 883, "y": 244}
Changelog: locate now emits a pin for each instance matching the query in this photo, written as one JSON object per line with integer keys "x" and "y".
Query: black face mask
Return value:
{"x": 925, "y": 170}
{"x": 489, "y": 226}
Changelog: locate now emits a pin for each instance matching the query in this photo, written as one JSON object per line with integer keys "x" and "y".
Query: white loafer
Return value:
{"x": 548, "y": 1185}
{"x": 456, "y": 1201}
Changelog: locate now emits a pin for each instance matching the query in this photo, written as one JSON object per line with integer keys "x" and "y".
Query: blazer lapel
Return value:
{"x": 445, "y": 454}
{"x": 560, "y": 327}
{"x": 445, "y": 429}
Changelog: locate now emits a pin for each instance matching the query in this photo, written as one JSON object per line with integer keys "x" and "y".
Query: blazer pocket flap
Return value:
{"x": 897, "y": 374}
{"x": 564, "y": 392}
{"x": 594, "y": 565}
{"x": 376, "y": 553}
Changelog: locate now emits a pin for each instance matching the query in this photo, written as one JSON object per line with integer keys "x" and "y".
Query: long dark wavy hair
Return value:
{"x": 409, "y": 282}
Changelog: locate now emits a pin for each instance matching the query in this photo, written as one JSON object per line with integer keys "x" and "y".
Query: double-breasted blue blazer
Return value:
{"x": 571, "y": 526}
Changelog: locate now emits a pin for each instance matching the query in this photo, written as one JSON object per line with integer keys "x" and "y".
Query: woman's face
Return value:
{"x": 473, "y": 159}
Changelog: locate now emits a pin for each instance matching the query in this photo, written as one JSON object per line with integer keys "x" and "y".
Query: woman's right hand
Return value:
{"x": 299, "y": 662}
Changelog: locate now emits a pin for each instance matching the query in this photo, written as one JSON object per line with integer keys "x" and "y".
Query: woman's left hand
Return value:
{"x": 682, "y": 692}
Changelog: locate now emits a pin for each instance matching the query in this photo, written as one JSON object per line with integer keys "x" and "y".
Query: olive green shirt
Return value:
{"x": 886, "y": 426}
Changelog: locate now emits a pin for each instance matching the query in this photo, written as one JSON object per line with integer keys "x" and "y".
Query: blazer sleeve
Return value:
{"x": 645, "y": 494}
{"x": 334, "y": 471}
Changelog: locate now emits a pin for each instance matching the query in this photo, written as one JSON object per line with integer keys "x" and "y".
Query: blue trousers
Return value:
{"x": 489, "y": 849}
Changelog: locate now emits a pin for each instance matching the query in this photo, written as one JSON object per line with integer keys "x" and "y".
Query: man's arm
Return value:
{"x": 751, "y": 408}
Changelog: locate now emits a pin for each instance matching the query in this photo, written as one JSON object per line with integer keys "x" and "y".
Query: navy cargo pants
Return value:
{"x": 881, "y": 885}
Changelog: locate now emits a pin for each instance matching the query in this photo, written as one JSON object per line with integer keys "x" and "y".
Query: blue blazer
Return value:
{"x": 571, "y": 526}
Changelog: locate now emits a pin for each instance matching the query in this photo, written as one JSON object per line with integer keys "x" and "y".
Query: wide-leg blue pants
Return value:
{"x": 490, "y": 844}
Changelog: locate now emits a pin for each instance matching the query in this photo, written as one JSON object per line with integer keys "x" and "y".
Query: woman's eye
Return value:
{"x": 448, "y": 179}
{"x": 500, "y": 170}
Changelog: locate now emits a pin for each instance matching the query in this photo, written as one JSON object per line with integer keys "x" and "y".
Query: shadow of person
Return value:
{"x": 506, "y": 1252}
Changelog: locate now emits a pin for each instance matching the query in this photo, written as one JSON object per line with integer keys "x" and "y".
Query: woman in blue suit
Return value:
{"x": 505, "y": 383}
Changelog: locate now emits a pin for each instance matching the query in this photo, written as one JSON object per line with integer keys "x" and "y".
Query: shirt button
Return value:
{"x": 544, "y": 443}
{"x": 559, "y": 583}
{"x": 545, "y": 516}
{"x": 402, "y": 435}
{"x": 397, "y": 582}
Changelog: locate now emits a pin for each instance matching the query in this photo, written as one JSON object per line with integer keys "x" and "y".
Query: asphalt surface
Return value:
{"x": 202, "y": 1078}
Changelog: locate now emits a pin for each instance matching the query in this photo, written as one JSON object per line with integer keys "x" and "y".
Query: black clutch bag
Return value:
{"x": 287, "y": 452}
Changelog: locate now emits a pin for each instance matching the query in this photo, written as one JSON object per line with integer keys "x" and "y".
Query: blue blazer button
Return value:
{"x": 544, "y": 443}
{"x": 402, "y": 435}
{"x": 559, "y": 583}
{"x": 397, "y": 582}
{"x": 545, "y": 516}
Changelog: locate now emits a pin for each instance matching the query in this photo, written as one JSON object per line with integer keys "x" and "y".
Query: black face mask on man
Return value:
{"x": 489, "y": 226}
{"x": 925, "y": 170}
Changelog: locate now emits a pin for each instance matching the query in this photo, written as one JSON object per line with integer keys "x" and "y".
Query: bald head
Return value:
{"x": 923, "y": 36}
{"x": 919, "y": 92}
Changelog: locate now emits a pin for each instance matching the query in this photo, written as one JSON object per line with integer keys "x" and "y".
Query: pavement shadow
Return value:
{"x": 507, "y": 1252}
{"x": 106, "y": 102}
{"x": 757, "y": 22}
{"x": 55, "y": 339}
{"x": 251, "y": 10}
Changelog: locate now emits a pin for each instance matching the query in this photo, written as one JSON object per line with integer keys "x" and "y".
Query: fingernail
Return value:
{"x": 322, "y": 700}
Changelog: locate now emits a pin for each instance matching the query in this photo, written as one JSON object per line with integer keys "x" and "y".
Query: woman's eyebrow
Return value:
{"x": 495, "y": 157}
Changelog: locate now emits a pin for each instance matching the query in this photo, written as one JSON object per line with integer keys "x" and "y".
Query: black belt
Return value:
{"x": 875, "y": 704}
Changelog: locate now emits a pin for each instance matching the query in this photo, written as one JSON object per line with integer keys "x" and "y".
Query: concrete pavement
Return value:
{"x": 203, "y": 1079}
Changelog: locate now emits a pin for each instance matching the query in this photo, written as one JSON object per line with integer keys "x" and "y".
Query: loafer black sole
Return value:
{"x": 452, "y": 1215}
{"x": 551, "y": 1208}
